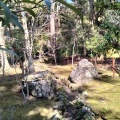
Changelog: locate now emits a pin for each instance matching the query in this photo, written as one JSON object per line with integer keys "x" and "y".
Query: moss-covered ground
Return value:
{"x": 103, "y": 96}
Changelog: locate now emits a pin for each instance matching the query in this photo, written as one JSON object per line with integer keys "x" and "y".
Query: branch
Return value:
{"x": 35, "y": 6}
{"x": 112, "y": 67}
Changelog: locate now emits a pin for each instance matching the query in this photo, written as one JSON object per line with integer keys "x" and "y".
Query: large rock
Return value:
{"x": 40, "y": 84}
{"x": 40, "y": 88}
{"x": 83, "y": 72}
{"x": 44, "y": 88}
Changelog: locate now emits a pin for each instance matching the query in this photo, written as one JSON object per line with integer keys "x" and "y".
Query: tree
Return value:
{"x": 52, "y": 30}
{"x": 3, "y": 56}
{"x": 28, "y": 47}
{"x": 10, "y": 10}
{"x": 108, "y": 19}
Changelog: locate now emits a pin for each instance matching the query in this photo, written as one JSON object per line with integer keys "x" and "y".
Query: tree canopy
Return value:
{"x": 100, "y": 17}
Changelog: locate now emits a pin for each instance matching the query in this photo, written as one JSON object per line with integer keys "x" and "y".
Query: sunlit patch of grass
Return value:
{"x": 48, "y": 112}
{"x": 2, "y": 88}
{"x": 62, "y": 71}
{"x": 104, "y": 97}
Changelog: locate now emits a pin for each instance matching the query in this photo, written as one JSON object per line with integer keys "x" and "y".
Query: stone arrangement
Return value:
{"x": 43, "y": 85}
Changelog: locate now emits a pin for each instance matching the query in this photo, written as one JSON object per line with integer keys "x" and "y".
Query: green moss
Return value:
{"x": 103, "y": 97}
{"x": 14, "y": 107}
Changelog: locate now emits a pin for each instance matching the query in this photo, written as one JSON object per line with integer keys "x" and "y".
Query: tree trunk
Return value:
{"x": 3, "y": 56}
{"x": 52, "y": 30}
{"x": 84, "y": 49}
{"x": 113, "y": 66}
{"x": 73, "y": 52}
{"x": 91, "y": 9}
{"x": 53, "y": 39}
{"x": 28, "y": 45}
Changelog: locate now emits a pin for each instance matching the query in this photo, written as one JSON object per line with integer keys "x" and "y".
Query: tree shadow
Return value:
{"x": 117, "y": 116}
{"x": 24, "y": 112}
{"x": 10, "y": 77}
{"x": 37, "y": 117}
{"x": 104, "y": 113}
{"x": 10, "y": 83}
{"x": 109, "y": 79}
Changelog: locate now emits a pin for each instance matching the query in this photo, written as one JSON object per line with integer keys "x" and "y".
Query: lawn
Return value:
{"x": 103, "y": 96}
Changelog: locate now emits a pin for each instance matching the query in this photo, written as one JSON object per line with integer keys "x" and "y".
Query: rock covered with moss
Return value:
{"x": 83, "y": 72}
{"x": 40, "y": 85}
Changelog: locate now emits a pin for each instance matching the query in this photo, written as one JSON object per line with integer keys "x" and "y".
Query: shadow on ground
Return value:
{"x": 109, "y": 79}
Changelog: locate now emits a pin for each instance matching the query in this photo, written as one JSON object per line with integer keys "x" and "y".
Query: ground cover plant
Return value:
{"x": 102, "y": 97}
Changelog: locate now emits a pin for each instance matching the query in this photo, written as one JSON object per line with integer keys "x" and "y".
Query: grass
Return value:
{"x": 14, "y": 107}
{"x": 103, "y": 94}
{"x": 103, "y": 97}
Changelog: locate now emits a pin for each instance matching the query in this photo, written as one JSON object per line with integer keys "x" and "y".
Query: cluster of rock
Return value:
{"x": 83, "y": 72}
{"x": 43, "y": 85}
{"x": 40, "y": 85}
{"x": 75, "y": 110}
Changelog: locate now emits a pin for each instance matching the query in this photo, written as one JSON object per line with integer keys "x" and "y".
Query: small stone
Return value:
{"x": 58, "y": 105}
{"x": 55, "y": 107}
{"x": 56, "y": 116}
{"x": 67, "y": 116}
